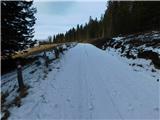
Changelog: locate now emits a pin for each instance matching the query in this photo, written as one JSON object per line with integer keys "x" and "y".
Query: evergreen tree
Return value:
{"x": 50, "y": 39}
{"x": 121, "y": 17}
{"x": 17, "y": 21}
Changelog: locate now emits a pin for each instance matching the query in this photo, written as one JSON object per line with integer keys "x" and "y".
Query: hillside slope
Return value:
{"x": 88, "y": 83}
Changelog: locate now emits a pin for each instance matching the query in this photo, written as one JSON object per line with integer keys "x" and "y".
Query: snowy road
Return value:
{"x": 91, "y": 84}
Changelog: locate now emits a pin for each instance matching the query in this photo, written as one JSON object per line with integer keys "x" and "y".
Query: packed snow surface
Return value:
{"x": 90, "y": 84}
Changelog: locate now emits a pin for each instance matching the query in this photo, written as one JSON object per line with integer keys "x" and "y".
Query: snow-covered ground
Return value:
{"x": 145, "y": 41}
{"x": 86, "y": 83}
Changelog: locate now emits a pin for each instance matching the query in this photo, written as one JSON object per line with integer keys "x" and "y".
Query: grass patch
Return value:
{"x": 34, "y": 50}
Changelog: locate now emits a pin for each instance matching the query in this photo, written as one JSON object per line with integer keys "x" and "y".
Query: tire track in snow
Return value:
{"x": 90, "y": 95}
{"x": 80, "y": 100}
{"x": 85, "y": 93}
{"x": 111, "y": 98}
{"x": 108, "y": 92}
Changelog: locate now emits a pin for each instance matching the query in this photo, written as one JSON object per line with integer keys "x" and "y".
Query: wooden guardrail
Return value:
{"x": 35, "y": 50}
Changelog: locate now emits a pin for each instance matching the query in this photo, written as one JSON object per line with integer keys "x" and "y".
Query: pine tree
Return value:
{"x": 17, "y": 21}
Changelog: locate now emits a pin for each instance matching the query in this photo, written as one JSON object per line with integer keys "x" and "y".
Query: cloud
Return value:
{"x": 70, "y": 0}
{"x": 58, "y": 17}
{"x": 54, "y": 8}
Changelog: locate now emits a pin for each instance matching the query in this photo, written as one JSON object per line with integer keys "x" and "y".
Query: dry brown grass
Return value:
{"x": 34, "y": 50}
{"x": 17, "y": 102}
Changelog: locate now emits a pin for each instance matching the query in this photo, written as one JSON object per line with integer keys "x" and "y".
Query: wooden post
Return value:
{"x": 46, "y": 59}
{"x": 56, "y": 53}
{"x": 19, "y": 76}
{"x": 44, "y": 55}
{"x": 61, "y": 49}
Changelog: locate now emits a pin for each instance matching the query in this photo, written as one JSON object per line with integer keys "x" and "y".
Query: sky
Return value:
{"x": 55, "y": 17}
